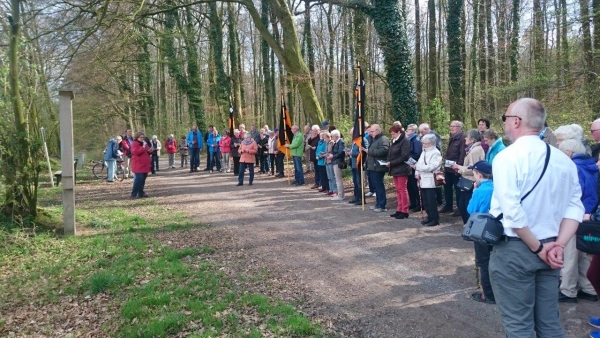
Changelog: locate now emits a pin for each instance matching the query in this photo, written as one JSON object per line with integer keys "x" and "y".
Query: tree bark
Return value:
{"x": 455, "y": 60}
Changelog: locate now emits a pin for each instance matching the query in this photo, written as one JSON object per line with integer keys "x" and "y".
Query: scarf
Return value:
{"x": 247, "y": 142}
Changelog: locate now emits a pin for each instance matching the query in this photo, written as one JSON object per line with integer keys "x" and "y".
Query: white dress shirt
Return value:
{"x": 516, "y": 170}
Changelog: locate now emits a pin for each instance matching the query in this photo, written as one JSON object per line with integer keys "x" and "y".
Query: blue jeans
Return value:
{"x": 331, "y": 178}
{"x": 139, "y": 181}
{"x": 194, "y": 158}
{"x": 215, "y": 158}
{"x": 111, "y": 166}
{"x": 298, "y": 173}
{"x": 317, "y": 174}
{"x": 357, "y": 182}
{"x": 371, "y": 186}
{"x": 322, "y": 169}
{"x": 377, "y": 180}
{"x": 243, "y": 166}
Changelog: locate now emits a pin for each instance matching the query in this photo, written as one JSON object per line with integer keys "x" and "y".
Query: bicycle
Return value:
{"x": 100, "y": 170}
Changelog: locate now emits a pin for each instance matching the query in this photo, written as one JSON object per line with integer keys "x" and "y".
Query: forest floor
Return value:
{"x": 353, "y": 273}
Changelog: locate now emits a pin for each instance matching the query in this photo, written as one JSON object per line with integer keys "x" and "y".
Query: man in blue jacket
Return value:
{"x": 194, "y": 141}
{"x": 110, "y": 156}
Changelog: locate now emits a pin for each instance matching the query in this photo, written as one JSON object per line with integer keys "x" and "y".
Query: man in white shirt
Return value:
{"x": 525, "y": 265}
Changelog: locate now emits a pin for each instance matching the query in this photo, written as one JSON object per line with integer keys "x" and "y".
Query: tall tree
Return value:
{"x": 234, "y": 62}
{"x": 418, "y": 78}
{"x": 20, "y": 166}
{"x": 514, "y": 40}
{"x": 432, "y": 65}
{"x": 455, "y": 60}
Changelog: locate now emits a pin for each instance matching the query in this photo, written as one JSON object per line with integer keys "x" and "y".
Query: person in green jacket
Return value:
{"x": 297, "y": 150}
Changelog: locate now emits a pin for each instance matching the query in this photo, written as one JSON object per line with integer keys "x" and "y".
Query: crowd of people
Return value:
{"x": 475, "y": 173}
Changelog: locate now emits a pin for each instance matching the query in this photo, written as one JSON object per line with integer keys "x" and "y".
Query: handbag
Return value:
{"x": 465, "y": 184}
{"x": 487, "y": 229}
{"x": 588, "y": 237}
{"x": 438, "y": 176}
{"x": 343, "y": 165}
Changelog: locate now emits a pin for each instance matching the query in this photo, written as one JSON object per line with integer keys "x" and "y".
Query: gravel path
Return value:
{"x": 373, "y": 275}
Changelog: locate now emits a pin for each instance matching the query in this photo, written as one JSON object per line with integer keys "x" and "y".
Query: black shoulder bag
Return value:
{"x": 487, "y": 229}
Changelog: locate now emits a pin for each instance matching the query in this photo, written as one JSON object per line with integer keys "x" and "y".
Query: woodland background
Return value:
{"x": 161, "y": 65}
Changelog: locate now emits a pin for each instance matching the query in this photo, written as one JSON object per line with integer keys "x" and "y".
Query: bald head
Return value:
{"x": 595, "y": 130}
{"x": 524, "y": 117}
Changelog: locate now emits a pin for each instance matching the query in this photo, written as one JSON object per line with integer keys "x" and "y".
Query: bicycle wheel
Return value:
{"x": 100, "y": 171}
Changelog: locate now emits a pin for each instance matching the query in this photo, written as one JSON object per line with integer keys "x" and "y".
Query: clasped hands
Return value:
{"x": 552, "y": 254}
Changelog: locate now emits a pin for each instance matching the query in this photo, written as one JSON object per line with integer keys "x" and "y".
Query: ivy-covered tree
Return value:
{"x": 455, "y": 60}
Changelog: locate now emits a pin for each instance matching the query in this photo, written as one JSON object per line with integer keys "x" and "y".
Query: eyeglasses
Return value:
{"x": 505, "y": 116}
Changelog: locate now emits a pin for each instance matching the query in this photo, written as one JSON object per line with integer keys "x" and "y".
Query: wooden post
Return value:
{"x": 66, "y": 160}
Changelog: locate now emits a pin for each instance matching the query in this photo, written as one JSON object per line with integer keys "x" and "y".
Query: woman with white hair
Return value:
{"x": 311, "y": 144}
{"x": 571, "y": 132}
{"x": 171, "y": 147}
{"x": 155, "y": 144}
{"x": 576, "y": 263}
{"x": 429, "y": 162}
{"x": 337, "y": 157}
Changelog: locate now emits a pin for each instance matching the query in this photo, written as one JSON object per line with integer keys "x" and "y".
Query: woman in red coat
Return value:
{"x": 171, "y": 147}
{"x": 140, "y": 164}
{"x": 247, "y": 150}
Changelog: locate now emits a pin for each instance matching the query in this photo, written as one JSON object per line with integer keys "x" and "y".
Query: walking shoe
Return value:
{"x": 323, "y": 190}
{"x": 415, "y": 209}
{"x": 562, "y": 298}
{"x": 427, "y": 220}
{"x": 333, "y": 194}
{"x": 431, "y": 224}
{"x": 299, "y": 184}
{"x": 337, "y": 198}
{"x": 380, "y": 209}
{"x": 479, "y": 297}
{"x": 369, "y": 194}
{"x": 372, "y": 207}
{"x": 595, "y": 322}
{"x": 595, "y": 334}
{"x": 359, "y": 202}
{"x": 402, "y": 215}
{"x": 374, "y": 194}
{"x": 444, "y": 211}
{"x": 396, "y": 214}
{"x": 237, "y": 185}
{"x": 352, "y": 201}
{"x": 315, "y": 186}
{"x": 587, "y": 296}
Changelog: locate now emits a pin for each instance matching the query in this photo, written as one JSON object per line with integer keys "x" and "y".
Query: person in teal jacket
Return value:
{"x": 212, "y": 144}
{"x": 496, "y": 145}
{"x": 297, "y": 150}
{"x": 480, "y": 202}
{"x": 320, "y": 152}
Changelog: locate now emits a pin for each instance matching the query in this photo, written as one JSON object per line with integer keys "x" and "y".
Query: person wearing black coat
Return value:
{"x": 236, "y": 140}
{"x": 398, "y": 168}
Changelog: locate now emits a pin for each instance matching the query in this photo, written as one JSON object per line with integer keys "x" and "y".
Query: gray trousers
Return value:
{"x": 526, "y": 291}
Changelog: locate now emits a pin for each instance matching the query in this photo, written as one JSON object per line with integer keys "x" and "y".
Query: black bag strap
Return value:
{"x": 499, "y": 217}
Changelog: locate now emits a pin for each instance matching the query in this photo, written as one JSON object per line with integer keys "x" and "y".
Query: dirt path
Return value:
{"x": 375, "y": 276}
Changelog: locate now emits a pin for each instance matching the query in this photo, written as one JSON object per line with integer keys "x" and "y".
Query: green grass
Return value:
{"x": 156, "y": 290}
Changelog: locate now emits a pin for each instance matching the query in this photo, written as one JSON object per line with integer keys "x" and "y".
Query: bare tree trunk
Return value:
{"x": 432, "y": 85}
{"x": 418, "y": 77}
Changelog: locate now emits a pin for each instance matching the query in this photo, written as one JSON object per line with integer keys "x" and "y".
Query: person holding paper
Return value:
{"x": 398, "y": 154}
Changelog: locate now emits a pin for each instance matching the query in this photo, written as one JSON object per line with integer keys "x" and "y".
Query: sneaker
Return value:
{"x": 595, "y": 322}
{"x": 587, "y": 296}
{"x": 337, "y": 198}
{"x": 369, "y": 194}
{"x": 374, "y": 194}
{"x": 372, "y": 207}
{"x": 595, "y": 334}
{"x": 562, "y": 298}
{"x": 380, "y": 209}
